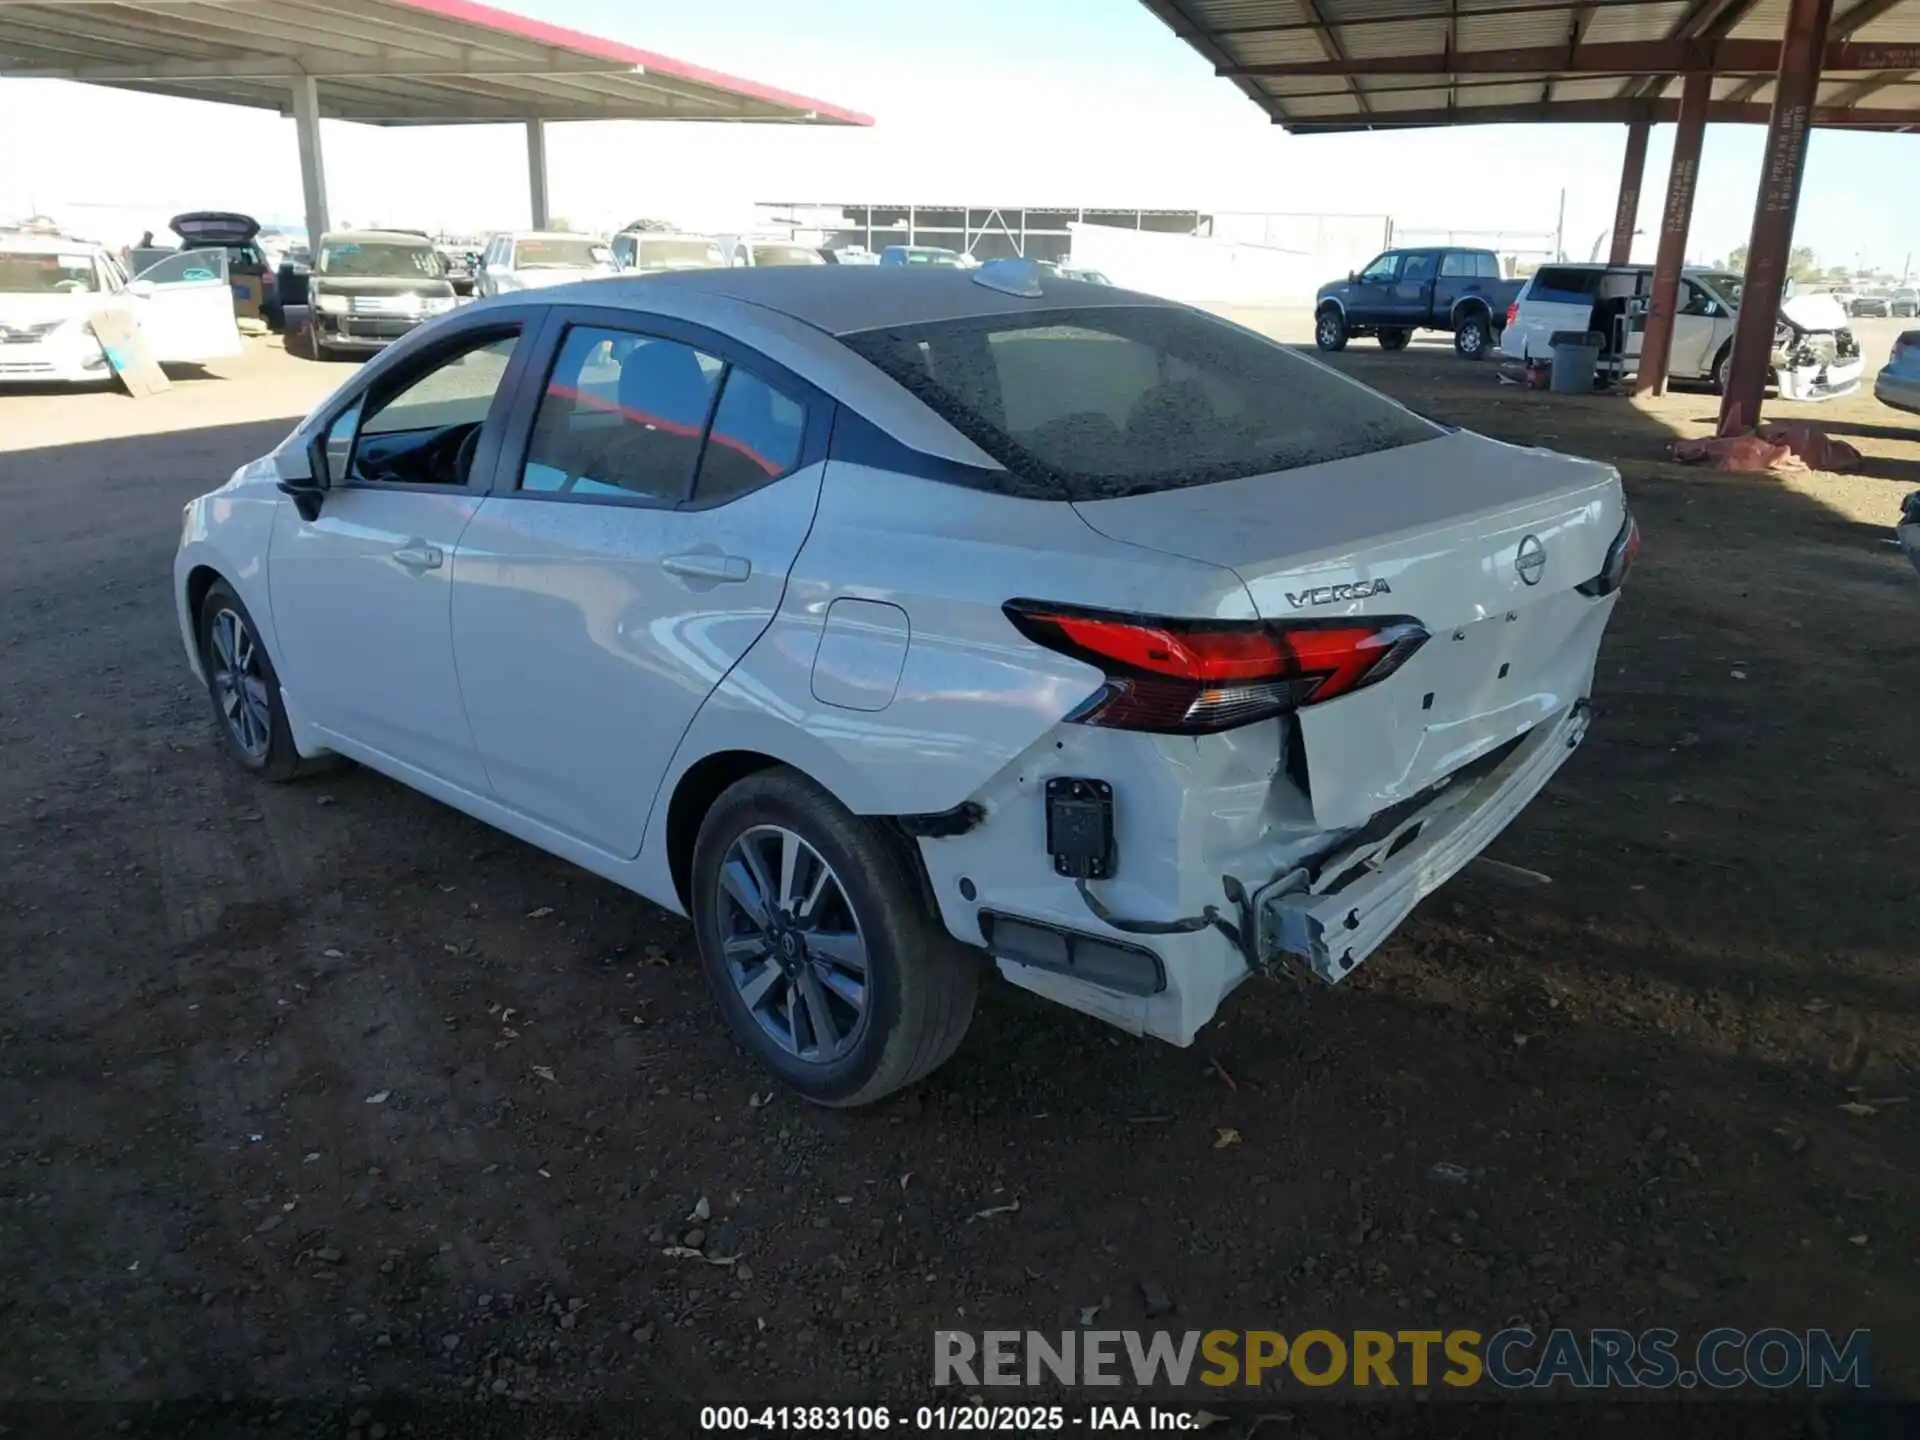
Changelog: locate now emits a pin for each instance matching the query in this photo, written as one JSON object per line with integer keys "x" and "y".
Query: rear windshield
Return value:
{"x": 681, "y": 252}
{"x": 377, "y": 261}
{"x": 944, "y": 259}
{"x": 46, "y": 274}
{"x": 560, "y": 254}
{"x": 786, "y": 255}
{"x": 1095, "y": 402}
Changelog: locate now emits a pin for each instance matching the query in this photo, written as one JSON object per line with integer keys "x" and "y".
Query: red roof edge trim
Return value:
{"x": 520, "y": 27}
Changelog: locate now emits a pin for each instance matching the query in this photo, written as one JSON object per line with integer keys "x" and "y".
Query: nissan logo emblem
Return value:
{"x": 1531, "y": 560}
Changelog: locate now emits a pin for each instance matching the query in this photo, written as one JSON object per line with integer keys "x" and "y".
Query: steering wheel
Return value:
{"x": 463, "y": 457}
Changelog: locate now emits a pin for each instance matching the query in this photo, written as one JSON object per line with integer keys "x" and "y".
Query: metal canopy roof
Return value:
{"x": 380, "y": 62}
{"x": 1333, "y": 65}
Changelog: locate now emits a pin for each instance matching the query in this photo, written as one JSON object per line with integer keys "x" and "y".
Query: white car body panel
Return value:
{"x": 532, "y": 662}
{"x": 183, "y": 319}
{"x": 585, "y": 595}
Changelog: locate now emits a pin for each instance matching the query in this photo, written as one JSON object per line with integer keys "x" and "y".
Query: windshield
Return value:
{"x": 46, "y": 275}
{"x": 680, "y": 252}
{"x": 560, "y": 255}
{"x": 1101, "y": 401}
{"x": 786, "y": 255}
{"x": 378, "y": 260}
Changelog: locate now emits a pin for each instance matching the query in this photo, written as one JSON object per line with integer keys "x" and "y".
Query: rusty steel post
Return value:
{"x": 1627, "y": 209}
{"x": 1657, "y": 344}
{"x": 1778, "y": 202}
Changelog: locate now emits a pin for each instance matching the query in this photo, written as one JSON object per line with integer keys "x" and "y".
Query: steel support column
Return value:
{"x": 313, "y": 166}
{"x": 537, "y": 172}
{"x": 1778, "y": 202}
{"x": 1656, "y": 346}
{"x": 1627, "y": 209}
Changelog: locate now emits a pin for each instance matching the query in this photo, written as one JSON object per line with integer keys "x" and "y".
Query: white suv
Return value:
{"x": 893, "y": 623}
{"x": 1816, "y": 356}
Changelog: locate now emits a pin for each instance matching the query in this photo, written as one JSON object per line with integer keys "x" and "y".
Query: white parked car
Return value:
{"x": 1816, "y": 355}
{"x": 768, "y": 250}
{"x": 50, "y": 285}
{"x": 885, "y": 621}
{"x": 533, "y": 259}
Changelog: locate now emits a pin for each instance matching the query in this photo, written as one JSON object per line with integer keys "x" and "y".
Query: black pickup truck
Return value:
{"x": 1431, "y": 288}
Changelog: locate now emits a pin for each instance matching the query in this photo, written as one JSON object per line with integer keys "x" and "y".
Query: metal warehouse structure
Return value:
{"x": 988, "y": 232}
{"x": 380, "y": 62}
{"x": 1319, "y": 66}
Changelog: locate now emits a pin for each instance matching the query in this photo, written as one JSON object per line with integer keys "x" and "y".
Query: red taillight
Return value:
{"x": 1194, "y": 677}
{"x": 1513, "y": 312}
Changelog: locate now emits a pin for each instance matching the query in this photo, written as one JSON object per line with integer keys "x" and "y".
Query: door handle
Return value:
{"x": 418, "y": 557}
{"x": 708, "y": 565}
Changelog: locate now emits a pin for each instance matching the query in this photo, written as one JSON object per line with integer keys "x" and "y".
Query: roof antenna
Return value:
{"x": 1011, "y": 277}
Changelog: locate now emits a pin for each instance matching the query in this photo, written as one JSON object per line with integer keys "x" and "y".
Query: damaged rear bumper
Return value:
{"x": 1362, "y": 894}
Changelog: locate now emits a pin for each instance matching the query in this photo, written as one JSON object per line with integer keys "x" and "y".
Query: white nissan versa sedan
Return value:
{"x": 884, "y": 620}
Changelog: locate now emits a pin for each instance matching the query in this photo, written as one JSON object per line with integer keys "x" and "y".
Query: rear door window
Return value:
{"x": 622, "y": 417}
{"x": 1457, "y": 264}
{"x": 1088, "y": 403}
{"x": 755, "y": 439}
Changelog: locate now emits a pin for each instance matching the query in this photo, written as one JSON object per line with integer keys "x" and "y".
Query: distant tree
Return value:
{"x": 561, "y": 225}
{"x": 1736, "y": 260}
{"x": 646, "y": 224}
{"x": 1802, "y": 264}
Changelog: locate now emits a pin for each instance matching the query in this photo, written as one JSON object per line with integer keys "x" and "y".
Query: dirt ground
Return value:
{"x": 326, "y": 1092}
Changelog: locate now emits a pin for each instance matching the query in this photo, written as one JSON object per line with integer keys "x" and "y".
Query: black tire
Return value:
{"x": 1723, "y": 368}
{"x": 1330, "y": 329}
{"x": 1473, "y": 335}
{"x": 1391, "y": 337}
{"x": 919, "y": 983}
{"x": 275, "y": 759}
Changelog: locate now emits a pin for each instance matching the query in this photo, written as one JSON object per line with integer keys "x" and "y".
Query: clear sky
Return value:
{"x": 991, "y": 102}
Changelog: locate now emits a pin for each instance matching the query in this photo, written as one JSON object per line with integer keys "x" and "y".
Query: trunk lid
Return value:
{"x": 214, "y": 227}
{"x": 1480, "y": 542}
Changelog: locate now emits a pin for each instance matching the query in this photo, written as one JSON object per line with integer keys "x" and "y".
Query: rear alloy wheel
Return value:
{"x": 1473, "y": 336}
{"x": 245, "y": 689}
{"x": 1330, "y": 329}
{"x": 1393, "y": 338}
{"x": 818, "y": 947}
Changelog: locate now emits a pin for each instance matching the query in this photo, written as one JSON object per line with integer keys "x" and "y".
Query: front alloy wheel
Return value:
{"x": 239, "y": 683}
{"x": 245, "y": 689}
{"x": 792, "y": 943}
{"x": 1330, "y": 329}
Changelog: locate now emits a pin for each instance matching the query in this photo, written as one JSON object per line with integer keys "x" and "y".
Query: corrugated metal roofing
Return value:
{"x": 1318, "y": 65}
{"x": 383, "y": 62}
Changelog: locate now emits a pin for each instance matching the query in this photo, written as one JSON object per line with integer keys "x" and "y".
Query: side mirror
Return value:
{"x": 307, "y": 494}
{"x": 328, "y": 455}
{"x": 141, "y": 288}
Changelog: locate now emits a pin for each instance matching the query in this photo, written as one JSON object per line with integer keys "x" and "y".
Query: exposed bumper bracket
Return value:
{"x": 1373, "y": 886}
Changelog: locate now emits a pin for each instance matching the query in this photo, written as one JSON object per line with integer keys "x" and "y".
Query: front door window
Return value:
{"x": 425, "y": 433}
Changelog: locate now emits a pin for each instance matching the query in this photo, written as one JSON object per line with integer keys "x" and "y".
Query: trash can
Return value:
{"x": 297, "y": 327}
{"x": 1576, "y": 355}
